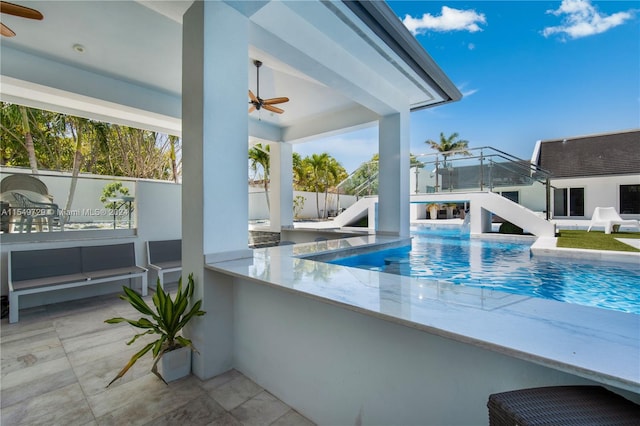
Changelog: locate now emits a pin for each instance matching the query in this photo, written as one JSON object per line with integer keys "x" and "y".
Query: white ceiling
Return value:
{"x": 320, "y": 55}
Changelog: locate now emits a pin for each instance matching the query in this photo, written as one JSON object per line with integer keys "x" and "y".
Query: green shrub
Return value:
{"x": 510, "y": 228}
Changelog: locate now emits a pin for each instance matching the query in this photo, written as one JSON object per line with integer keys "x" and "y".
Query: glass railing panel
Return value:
{"x": 56, "y": 202}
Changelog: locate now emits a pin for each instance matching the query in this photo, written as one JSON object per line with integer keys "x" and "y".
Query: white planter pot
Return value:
{"x": 175, "y": 364}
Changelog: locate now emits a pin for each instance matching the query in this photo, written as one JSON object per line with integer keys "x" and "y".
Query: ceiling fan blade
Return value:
{"x": 272, "y": 101}
{"x": 17, "y": 10}
{"x": 252, "y": 97}
{"x": 273, "y": 109}
{"x": 253, "y": 108}
{"x": 6, "y": 31}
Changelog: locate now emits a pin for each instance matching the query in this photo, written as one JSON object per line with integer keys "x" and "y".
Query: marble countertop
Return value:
{"x": 598, "y": 344}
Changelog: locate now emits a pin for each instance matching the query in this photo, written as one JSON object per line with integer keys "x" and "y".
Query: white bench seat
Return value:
{"x": 39, "y": 271}
{"x": 47, "y": 281}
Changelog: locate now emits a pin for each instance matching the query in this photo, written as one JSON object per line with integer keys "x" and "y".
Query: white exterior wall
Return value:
{"x": 258, "y": 204}
{"x": 337, "y": 366}
{"x": 600, "y": 191}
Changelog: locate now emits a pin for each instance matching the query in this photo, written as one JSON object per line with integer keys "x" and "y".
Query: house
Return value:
{"x": 599, "y": 170}
{"x": 380, "y": 355}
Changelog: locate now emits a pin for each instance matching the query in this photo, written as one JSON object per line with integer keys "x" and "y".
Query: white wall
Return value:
{"x": 337, "y": 366}
{"x": 258, "y": 203}
{"x": 600, "y": 191}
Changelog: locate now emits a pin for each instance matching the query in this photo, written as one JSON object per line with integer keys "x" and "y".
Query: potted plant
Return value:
{"x": 166, "y": 318}
{"x": 433, "y": 208}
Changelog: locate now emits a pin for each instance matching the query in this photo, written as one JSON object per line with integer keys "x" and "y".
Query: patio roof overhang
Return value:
{"x": 342, "y": 64}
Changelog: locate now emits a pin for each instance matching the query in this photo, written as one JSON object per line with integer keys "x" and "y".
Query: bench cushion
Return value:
{"x": 105, "y": 273}
{"x": 113, "y": 256}
{"x": 47, "y": 281}
{"x": 165, "y": 251}
{"x": 169, "y": 265}
{"x": 35, "y": 264}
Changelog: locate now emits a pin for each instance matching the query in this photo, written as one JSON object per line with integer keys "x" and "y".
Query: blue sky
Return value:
{"x": 528, "y": 70}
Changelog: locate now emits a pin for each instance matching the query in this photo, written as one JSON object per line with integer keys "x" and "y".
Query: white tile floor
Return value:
{"x": 58, "y": 359}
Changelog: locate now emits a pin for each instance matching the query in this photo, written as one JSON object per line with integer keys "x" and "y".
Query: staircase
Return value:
{"x": 482, "y": 204}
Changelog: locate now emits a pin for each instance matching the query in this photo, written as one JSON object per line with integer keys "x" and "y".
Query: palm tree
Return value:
{"x": 259, "y": 156}
{"x": 449, "y": 144}
{"x": 318, "y": 163}
{"x": 16, "y": 121}
{"x": 334, "y": 173}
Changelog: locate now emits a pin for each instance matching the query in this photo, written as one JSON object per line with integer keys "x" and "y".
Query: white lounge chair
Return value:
{"x": 610, "y": 219}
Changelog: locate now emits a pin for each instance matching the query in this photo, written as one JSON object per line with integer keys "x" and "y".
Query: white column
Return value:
{"x": 281, "y": 165}
{"x": 393, "y": 190}
{"x": 215, "y": 192}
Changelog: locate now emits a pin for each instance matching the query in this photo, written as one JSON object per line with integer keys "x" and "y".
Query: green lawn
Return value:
{"x": 596, "y": 240}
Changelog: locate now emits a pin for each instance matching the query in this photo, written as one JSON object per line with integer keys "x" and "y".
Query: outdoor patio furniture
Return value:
{"x": 562, "y": 405}
{"x": 29, "y": 211}
{"x": 164, "y": 256}
{"x": 610, "y": 220}
{"x": 20, "y": 182}
{"x": 38, "y": 271}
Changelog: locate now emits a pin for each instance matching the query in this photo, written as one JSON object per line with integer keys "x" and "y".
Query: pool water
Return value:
{"x": 451, "y": 255}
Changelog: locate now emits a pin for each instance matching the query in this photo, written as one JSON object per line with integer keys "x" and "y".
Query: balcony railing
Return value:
{"x": 53, "y": 202}
{"x": 477, "y": 169}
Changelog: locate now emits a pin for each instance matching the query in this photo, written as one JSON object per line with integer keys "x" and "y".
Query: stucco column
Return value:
{"x": 281, "y": 165}
{"x": 214, "y": 188}
{"x": 393, "y": 189}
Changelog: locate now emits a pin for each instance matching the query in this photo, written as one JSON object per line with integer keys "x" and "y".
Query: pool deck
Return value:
{"x": 593, "y": 343}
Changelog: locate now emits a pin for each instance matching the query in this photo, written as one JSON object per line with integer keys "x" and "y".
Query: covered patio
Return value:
{"x": 340, "y": 347}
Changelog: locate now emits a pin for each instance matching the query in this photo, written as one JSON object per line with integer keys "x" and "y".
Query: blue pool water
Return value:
{"x": 450, "y": 255}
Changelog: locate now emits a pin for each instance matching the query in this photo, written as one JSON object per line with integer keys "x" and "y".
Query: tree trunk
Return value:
{"x": 172, "y": 155}
{"x": 326, "y": 195}
{"x": 77, "y": 163}
{"x": 318, "y": 201}
{"x": 28, "y": 141}
{"x": 266, "y": 193}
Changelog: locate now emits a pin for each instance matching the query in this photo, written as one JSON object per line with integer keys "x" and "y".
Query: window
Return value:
{"x": 560, "y": 202}
{"x": 630, "y": 199}
{"x": 511, "y": 195}
{"x": 568, "y": 202}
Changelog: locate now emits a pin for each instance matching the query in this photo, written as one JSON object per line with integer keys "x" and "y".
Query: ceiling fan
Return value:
{"x": 16, "y": 10}
{"x": 257, "y": 102}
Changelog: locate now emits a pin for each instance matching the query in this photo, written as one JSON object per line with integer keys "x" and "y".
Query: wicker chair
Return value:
{"x": 562, "y": 405}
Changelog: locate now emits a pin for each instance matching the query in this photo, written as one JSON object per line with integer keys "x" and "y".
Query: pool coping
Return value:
{"x": 598, "y": 344}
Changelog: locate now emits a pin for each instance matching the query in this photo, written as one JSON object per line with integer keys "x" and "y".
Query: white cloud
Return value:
{"x": 471, "y": 46}
{"x": 466, "y": 92}
{"x": 469, "y": 92}
{"x": 449, "y": 20}
{"x": 582, "y": 19}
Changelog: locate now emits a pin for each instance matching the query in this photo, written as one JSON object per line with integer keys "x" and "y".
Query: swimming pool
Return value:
{"x": 448, "y": 254}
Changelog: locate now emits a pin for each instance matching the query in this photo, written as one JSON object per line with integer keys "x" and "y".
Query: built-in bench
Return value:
{"x": 164, "y": 257}
{"x": 39, "y": 271}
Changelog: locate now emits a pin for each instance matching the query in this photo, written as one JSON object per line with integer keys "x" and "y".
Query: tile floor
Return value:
{"x": 57, "y": 360}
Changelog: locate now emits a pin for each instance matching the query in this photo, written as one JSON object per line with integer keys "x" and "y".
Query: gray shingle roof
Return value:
{"x": 594, "y": 155}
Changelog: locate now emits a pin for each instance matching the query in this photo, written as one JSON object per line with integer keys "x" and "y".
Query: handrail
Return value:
{"x": 484, "y": 167}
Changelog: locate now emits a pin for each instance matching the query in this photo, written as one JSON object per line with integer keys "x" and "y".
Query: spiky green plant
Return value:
{"x": 167, "y": 319}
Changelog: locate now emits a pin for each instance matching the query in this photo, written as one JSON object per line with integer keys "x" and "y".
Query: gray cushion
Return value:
{"x": 113, "y": 256}
{"x": 165, "y": 251}
{"x": 35, "y": 264}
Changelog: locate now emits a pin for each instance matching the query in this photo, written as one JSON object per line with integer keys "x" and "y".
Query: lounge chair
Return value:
{"x": 610, "y": 220}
